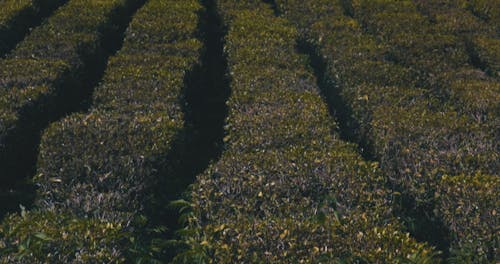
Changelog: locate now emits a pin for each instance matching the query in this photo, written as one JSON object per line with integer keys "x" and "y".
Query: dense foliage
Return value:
{"x": 110, "y": 168}
{"x": 356, "y": 131}
{"x": 412, "y": 89}
{"x": 287, "y": 189}
{"x": 50, "y": 72}
{"x": 17, "y": 16}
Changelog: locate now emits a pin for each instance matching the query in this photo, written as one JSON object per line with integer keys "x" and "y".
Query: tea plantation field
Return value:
{"x": 249, "y": 131}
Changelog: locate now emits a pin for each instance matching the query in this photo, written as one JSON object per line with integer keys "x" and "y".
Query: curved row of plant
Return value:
{"x": 439, "y": 49}
{"x": 51, "y": 72}
{"x": 286, "y": 189}
{"x": 104, "y": 173}
{"x": 476, "y": 22}
{"x": 443, "y": 158}
{"x": 487, "y": 10}
{"x": 17, "y": 16}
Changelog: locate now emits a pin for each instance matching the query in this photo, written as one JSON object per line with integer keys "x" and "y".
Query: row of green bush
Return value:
{"x": 463, "y": 15}
{"x": 287, "y": 189}
{"x": 481, "y": 36}
{"x": 417, "y": 138}
{"x": 51, "y": 72}
{"x": 103, "y": 173}
{"x": 439, "y": 48}
{"x": 488, "y": 10}
{"x": 17, "y": 16}
{"x": 472, "y": 93}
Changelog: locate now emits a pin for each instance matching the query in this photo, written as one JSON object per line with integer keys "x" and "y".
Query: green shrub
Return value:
{"x": 50, "y": 237}
{"x": 364, "y": 8}
{"x": 61, "y": 56}
{"x": 300, "y": 12}
{"x": 75, "y": 32}
{"x": 269, "y": 123}
{"x": 479, "y": 98}
{"x": 469, "y": 204}
{"x": 429, "y": 53}
{"x": 430, "y": 114}
{"x": 17, "y": 16}
{"x": 373, "y": 72}
{"x": 286, "y": 189}
{"x": 461, "y": 22}
{"x": 14, "y": 15}
{"x": 25, "y": 82}
{"x": 156, "y": 28}
{"x": 419, "y": 146}
{"x": 487, "y": 49}
{"x": 143, "y": 83}
{"x": 388, "y": 24}
{"x": 106, "y": 164}
{"x": 319, "y": 239}
{"x": 114, "y": 166}
{"x": 488, "y": 10}
{"x": 11, "y": 8}
{"x": 25, "y": 103}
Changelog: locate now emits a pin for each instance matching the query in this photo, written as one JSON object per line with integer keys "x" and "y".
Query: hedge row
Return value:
{"x": 121, "y": 149}
{"x": 103, "y": 173}
{"x": 481, "y": 37}
{"x": 482, "y": 43}
{"x": 17, "y": 16}
{"x": 469, "y": 204}
{"x": 50, "y": 74}
{"x": 439, "y": 51}
{"x": 416, "y": 137}
{"x": 474, "y": 16}
{"x": 487, "y": 51}
{"x": 488, "y": 10}
{"x": 286, "y": 189}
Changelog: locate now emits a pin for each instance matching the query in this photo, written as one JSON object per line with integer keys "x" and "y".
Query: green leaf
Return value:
{"x": 179, "y": 203}
{"x": 42, "y": 236}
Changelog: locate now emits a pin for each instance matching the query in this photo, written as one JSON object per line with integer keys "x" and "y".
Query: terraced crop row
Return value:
{"x": 388, "y": 64}
{"x": 286, "y": 189}
{"x": 17, "y": 16}
{"x": 50, "y": 73}
{"x": 487, "y": 10}
{"x": 415, "y": 83}
{"x": 480, "y": 32}
{"x": 439, "y": 53}
{"x": 459, "y": 81}
{"x": 102, "y": 174}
